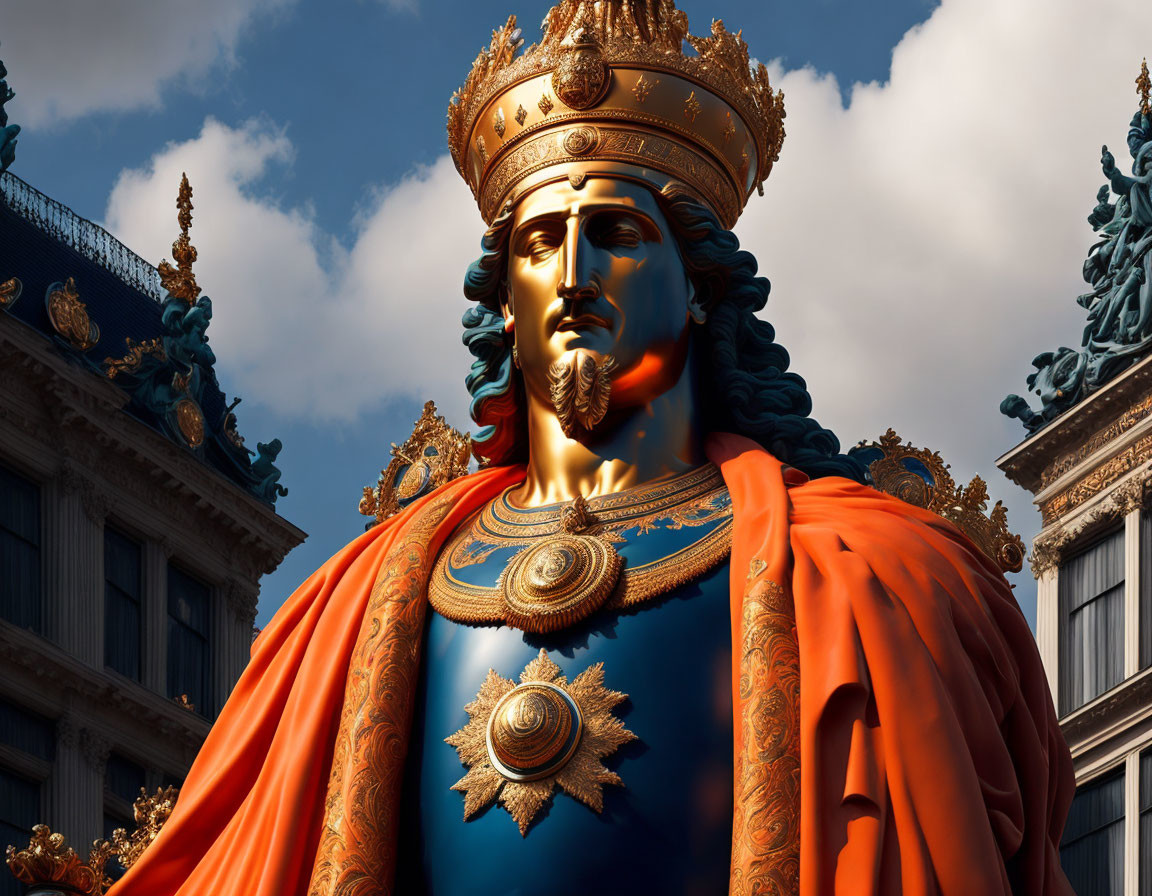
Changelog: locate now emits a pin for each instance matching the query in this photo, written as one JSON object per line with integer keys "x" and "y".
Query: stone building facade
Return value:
{"x": 1088, "y": 462}
{"x": 134, "y": 525}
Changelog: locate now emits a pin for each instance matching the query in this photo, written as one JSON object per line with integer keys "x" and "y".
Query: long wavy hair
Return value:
{"x": 743, "y": 365}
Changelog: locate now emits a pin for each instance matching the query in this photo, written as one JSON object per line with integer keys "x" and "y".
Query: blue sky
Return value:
{"x": 923, "y": 230}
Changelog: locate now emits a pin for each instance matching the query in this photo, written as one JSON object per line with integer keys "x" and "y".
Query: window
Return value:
{"x": 188, "y": 654}
{"x": 1092, "y": 849}
{"x": 34, "y": 737}
{"x": 20, "y": 601}
{"x": 1146, "y": 823}
{"x": 123, "y": 781}
{"x": 1091, "y": 588}
{"x": 121, "y": 604}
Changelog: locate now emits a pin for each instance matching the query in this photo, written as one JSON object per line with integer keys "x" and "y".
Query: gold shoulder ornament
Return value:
{"x": 921, "y": 477}
{"x": 524, "y": 740}
{"x": 434, "y": 454}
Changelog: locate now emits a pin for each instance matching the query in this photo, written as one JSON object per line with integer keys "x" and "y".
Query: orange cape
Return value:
{"x": 930, "y": 754}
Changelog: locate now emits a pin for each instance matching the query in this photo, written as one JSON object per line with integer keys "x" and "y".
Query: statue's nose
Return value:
{"x": 578, "y": 281}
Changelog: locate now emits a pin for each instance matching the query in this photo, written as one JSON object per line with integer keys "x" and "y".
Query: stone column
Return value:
{"x": 74, "y": 565}
{"x": 1132, "y": 593}
{"x": 154, "y": 612}
{"x": 232, "y": 635}
{"x": 76, "y": 789}
{"x": 1048, "y": 625}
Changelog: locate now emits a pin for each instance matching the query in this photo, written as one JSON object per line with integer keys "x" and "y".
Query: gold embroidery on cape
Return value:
{"x": 357, "y": 850}
{"x": 766, "y": 806}
{"x": 696, "y": 499}
{"x": 582, "y": 775}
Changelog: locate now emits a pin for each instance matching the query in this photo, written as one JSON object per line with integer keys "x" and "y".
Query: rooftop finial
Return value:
{"x": 1144, "y": 88}
{"x": 8, "y": 132}
{"x": 179, "y": 281}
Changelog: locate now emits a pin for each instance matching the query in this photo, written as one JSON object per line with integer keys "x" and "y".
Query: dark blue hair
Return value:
{"x": 745, "y": 369}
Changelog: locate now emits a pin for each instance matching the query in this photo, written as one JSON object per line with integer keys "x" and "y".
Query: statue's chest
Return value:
{"x": 666, "y": 827}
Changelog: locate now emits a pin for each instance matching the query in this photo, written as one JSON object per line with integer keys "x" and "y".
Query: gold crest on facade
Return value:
{"x": 69, "y": 316}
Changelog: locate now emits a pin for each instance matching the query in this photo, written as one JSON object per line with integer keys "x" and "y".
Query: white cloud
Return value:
{"x": 70, "y": 58}
{"x": 926, "y": 242}
{"x": 302, "y": 324}
{"x": 923, "y": 243}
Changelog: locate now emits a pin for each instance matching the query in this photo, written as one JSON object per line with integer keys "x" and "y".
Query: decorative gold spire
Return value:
{"x": 623, "y": 88}
{"x": 1144, "y": 88}
{"x": 179, "y": 281}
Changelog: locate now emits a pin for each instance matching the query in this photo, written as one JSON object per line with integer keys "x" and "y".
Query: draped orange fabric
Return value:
{"x": 929, "y": 759}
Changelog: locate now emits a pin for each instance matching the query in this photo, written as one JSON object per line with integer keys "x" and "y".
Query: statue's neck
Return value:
{"x": 631, "y": 446}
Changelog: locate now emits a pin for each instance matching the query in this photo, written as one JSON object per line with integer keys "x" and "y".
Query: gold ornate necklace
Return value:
{"x": 544, "y": 569}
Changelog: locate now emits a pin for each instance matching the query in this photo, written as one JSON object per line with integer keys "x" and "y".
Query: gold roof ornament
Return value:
{"x": 920, "y": 477}
{"x": 610, "y": 89}
{"x": 69, "y": 316}
{"x": 1144, "y": 89}
{"x": 434, "y": 454}
{"x": 10, "y": 291}
{"x": 149, "y": 813}
{"x": 179, "y": 281}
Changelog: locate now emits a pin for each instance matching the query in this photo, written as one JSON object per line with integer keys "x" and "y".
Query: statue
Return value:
{"x": 8, "y": 132}
{"x": 1119, "y": 328}
{"x": 665, "y": 640}
{"x": 267, "y": 474}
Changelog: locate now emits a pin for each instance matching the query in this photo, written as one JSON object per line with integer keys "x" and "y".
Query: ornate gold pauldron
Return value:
{"x": 544, "y": 569}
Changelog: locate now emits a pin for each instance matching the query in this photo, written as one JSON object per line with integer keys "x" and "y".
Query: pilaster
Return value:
{"x": 74, "y": 566}
{"x": 76, "y": 789}
{"x": 1048, "y": 625}
{"x": 1132, "y": 593}
{"x": 1132, "y": 824}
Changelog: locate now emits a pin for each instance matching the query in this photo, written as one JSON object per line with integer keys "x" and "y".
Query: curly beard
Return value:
{"x": 580, "y": 387}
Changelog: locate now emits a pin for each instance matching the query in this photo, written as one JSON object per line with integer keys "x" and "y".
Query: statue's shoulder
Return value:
{"x": 911, "y": 497}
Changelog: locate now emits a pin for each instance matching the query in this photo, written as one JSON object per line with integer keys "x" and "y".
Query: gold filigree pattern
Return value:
{"x": 965, "y": 507}
{"x": 533, "y": 729}
{"x": 150, "y": 813}
{"x": 1104, "y": 436}
{"x": 545, "y": 104}
{"x": 180, "y": 281}
{"x": 766, "y": 806}
{"x": 434, "y": 454}
{"x": 69, "y": 316}
{"x": 137, "y": 352}
{"x": 10, "y": 291}
{"x": 47, "y": 860}
{"x": 643, "y": 87}
{"x": 585, "y": 49}
{"x": 357, "y": 849}
{"x": 696, "y": 500}
{"x": 1098, "y": 480}
{"x": 692, "y": 107}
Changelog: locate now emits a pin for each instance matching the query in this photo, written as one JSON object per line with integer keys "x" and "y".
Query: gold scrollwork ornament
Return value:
{"x": 524, "y": 740}
{"x": 69, "y": 316}
{"x": 10, "y": 291}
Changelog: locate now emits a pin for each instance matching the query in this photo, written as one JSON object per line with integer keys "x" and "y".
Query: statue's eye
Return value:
{"x": 618, "y": 234}
{"x": 539, "y": 245}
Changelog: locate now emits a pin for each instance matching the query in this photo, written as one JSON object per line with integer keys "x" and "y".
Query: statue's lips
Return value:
{"x": 583, "y": 322}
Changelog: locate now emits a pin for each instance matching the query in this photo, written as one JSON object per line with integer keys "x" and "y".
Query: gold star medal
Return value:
{"x": 522, "y": 740}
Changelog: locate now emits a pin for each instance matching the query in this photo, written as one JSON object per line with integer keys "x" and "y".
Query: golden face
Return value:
{"x": 596, "y": 271}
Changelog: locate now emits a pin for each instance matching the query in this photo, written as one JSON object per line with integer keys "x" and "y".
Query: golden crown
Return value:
{"x": 610, "y": 87}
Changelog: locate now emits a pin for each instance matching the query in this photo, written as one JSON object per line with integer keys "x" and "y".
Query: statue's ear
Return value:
{"x": 695, "y": 305}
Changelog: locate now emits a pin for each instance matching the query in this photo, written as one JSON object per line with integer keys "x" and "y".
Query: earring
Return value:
{"x": 515, "y": 357}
